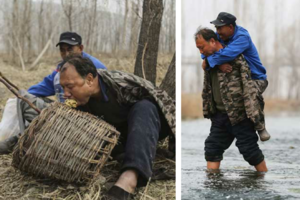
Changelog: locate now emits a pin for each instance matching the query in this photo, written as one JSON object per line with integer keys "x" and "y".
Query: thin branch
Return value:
{"x": 13, "y": 90}
{"x": 18, "y": 53}
{"x": 45, "y": 47}
{"x": 146, "y": 190}
{"x": 10, "y": 83}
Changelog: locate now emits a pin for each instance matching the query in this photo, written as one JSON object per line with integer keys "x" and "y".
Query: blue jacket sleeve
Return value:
{"x": 230, "y": 52}
{"x": 44, "y": 88}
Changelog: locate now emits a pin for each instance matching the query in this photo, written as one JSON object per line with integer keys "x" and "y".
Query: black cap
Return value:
{"x": 70, "y": 38}
{"x": 224, "y": 19}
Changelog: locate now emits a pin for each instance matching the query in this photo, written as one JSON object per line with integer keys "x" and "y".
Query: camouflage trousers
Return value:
{"x": 260, "y": 86}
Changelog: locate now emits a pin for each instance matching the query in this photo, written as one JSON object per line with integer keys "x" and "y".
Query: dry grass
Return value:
{"x": 277, "y": 106}
{"x": 127, "y": 64}
{"x": 26, "y": 79}
{"x": 191, "y": 106}
{"x": 14, "y": 185}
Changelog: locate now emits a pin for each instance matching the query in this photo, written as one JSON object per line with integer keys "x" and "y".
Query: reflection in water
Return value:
{"x": 227, "y": 181}
{"x": 235, "y": 184}
{"x": 240, "y": 184}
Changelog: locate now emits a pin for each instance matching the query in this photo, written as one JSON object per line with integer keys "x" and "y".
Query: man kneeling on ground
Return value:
{"x": 142, "y": 114}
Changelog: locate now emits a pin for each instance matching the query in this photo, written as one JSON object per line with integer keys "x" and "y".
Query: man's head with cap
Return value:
{"x": 69, "y": 43}
{"x": 225, "y": 25}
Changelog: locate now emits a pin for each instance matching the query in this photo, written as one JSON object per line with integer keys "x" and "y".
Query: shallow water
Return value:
{"x": 237, "y": 179}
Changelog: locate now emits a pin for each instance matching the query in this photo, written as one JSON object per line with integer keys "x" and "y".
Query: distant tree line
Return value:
{"x": 30, "y": 29}
{"x": 275, "y": 38}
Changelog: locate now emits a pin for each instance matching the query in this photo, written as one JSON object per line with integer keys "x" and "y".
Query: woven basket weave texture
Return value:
{"x": 65, "y": 144}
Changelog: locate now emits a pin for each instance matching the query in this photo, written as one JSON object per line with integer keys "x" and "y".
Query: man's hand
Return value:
{"x": 204, "y": 64}
{"x": 226, "y": 68}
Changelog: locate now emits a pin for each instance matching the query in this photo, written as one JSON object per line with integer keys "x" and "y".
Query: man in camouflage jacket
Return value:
{"x": 238, "y": 41}
{"x": 230, "y": 100}
{"x": 130, "y": 89}
{"x": 239, "y": 94}
{"x": 142, "y": 114}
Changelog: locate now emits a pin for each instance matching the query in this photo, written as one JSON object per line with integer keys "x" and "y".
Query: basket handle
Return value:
{"x": 14, "y": 89}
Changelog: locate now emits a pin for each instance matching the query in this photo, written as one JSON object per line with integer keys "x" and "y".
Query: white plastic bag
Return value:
{"x": 9, "y": 126}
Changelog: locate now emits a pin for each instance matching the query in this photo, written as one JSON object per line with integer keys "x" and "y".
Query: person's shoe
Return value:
{"x": 117, "y": 193}
{"x": 264, "y": 135}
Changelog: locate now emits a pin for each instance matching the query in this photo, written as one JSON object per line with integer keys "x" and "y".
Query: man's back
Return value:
{"x": 239, "y": 43}
{"x": 248, "y": 50}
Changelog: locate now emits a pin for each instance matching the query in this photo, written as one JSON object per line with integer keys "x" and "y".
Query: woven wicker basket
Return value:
{"x": 65, "y": 144}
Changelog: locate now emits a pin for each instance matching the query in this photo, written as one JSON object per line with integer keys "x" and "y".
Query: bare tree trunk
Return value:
{"x": 45, "y": 47}
{"x": 115, "y": 34}
{"x": 146, "y": 60}
{"x": 14, "y": 26}
{"x": 27, "y": 30}
{"x": 169, "y": 84}
{"x": 18, "y": 52}
{"x": 134, "y": 26}
{"x": 68, "y": 9}
{"x": 91, "y": 26}
{"x": 260, "y": 30}
{"x": 276, "y": 83}
{"x": 41, "y": 31}
{"x": 123, "y": 33}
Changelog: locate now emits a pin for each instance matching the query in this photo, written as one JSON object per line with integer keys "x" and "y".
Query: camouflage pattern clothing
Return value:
{"x": 261, "y": 86}
{"x": 130, "y": 89}
{"x": 240, "y": 95}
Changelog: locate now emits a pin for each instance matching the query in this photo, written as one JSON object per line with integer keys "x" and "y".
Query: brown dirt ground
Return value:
{"x": 15, "y": 185}
{"x": 191, "y": 106}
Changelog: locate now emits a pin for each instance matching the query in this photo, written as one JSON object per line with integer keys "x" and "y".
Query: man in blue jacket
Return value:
{"x": 236, "y": 41}
{"x": 69, "y": 43}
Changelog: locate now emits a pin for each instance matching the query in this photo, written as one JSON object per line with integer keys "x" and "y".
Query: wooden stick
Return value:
{"x": 10, "y": 83}
{"x": 20, "y": 97}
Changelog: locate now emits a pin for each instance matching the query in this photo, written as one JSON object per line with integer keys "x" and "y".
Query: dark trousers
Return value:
{"x": 145, "y": 126}
{"x": 222, "y": 134}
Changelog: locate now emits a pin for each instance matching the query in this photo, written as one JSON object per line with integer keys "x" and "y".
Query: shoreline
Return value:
{"x": 191, "y": 107}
